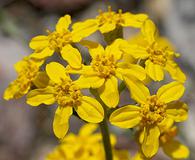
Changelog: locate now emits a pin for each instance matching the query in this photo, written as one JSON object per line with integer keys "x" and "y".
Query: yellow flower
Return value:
{"x": 152, "y": 110}
{"x": 172, "y": 147}
{"x": 86, "y": 145}
{"x": 157, "y": 54}
{"x": 106, "y": 66}
{"x": 68, "y": 95}
{"x": 60, "y": 41}
{"x": 28, "y": 74}
{"x": 108, "y": 21}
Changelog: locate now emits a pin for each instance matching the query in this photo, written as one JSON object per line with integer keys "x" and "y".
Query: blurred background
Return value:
{"x": 26, "y": 132}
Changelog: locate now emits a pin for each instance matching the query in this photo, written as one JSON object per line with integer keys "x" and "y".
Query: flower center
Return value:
{"x": 27, "y": 75}
{"x": 153, "y": 111}
{"x": 106, "y": 17}
{"x": 57, "y": 40}
{"x": 157, "y": 55}
{"x": 168, "y": 134}
{"x": 68, "y": 94}
{"x": 105, "y": 66}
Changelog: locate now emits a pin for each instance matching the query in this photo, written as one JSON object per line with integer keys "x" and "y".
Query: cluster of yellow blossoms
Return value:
{"x": 87, "y": 145}
{"x": 133, "y": 63}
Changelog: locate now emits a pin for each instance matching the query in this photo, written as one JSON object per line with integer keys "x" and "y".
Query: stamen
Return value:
{"x": 67, "y": 94}
{"x": 153, "y": 111}
{"x": 104, "y": 65}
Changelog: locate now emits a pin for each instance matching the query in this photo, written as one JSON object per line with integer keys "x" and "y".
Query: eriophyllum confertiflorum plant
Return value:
{"x": 114, "y": 66}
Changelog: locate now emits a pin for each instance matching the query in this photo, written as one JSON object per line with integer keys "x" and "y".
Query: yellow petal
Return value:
{"x": 175, "y": 150}
{"x": 61, "y": 121}
{"x": 90, "y": 110}
{"x": 166, "y": 124}
{"x": 89, "y": 81}
{"x": 155, "y": 71}
{"x": 15, "y": 91}
{"x": 20, "y": 65}
{"x": 56, "y": 72}
{"x": 139, "y": 156}
{"x": 137, "y": 51}
{"x": 178, "y": 111}
{"x": 84, "y": 29}
{"x": 39, "y": 42}
{"x": 175, "y": 72}
{"x": 109, "y": 92}
{"x": 107, "y": 27}
{"x": 41, "y": 96}
{"x": 72, "y": 56}
{"x": 133, "y": 20}
{"x": 88, "y": 129}
{"x": 114, "y": 49}
{"x": 126, "y": 117}
{"x": 41, "y": 80}
{"x": 94, "y": 48}
{"x": 171, "y": 92}
{"x": 139, "y": 91}
{"x": 46, "y": 52}
{"x": 149, "y": 31}
{"x": 150, "y": 143}
{"x": 130, "y": 70}
{"x": 63, "y": 23}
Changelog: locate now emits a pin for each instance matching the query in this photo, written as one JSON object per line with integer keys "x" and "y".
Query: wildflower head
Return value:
{"x": 157, "y": 55}
{"x": 27, "y": 71}
{"x": 86, "y": 145}
{"x": 67, "y": 93}
{"x": 104, "y": 65}
{"x": 57, "y": 40}
{"x": 153, "y": 111}
{"x": 168, "y": 134}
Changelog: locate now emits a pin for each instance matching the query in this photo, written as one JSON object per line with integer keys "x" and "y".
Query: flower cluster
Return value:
{"x": 86, "y": 145}
{"x": 133, "y": 63}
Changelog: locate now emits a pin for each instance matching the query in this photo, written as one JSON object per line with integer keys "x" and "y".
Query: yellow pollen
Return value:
{"x": 27, "y": 75}
{"x": 104, "y": 65}
{"x": 153, "y": 111}
{"x": 106, "y": 17}
{"x": 57, "y": 40}
{"x": 157, "y": 55}
{"x": 168, "y": 135}
{"x": 68, "y": 94}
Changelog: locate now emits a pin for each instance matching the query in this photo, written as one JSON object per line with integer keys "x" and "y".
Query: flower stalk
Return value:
{"x": 104, "y": 128}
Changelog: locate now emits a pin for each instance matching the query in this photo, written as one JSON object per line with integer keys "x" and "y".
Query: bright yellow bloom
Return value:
{"x": 28, "y": 75}
{"x": 106, "y": 66}
{"x": 157, "y": 54}
{"x": 67, "y": 95}
{"x": 87, "y": 145}
{"x": 172, "y": 147}
{"x": 108, "y": 21}
{"x": 152, "y": 110}
{"x": 60, "y": 41}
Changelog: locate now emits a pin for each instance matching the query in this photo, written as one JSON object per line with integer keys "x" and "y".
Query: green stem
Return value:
{"x": 121, "y": 87}
{"x": 104, "y": 128}
{"x": 106, "y": 139}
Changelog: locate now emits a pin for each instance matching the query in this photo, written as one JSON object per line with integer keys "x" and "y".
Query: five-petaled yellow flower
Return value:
{"x": 151, "y": 112}
{"x": 171, "y": 147}
{"x": 28, "y": 75}
{"x": 106, "y": 66}
{"x": 67, "y": 94}
{"x": 108, "y": 21}
{"x": 60, "y": 41}
{"x": 158, "y": 57}
{"x": 87, "y": 145}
